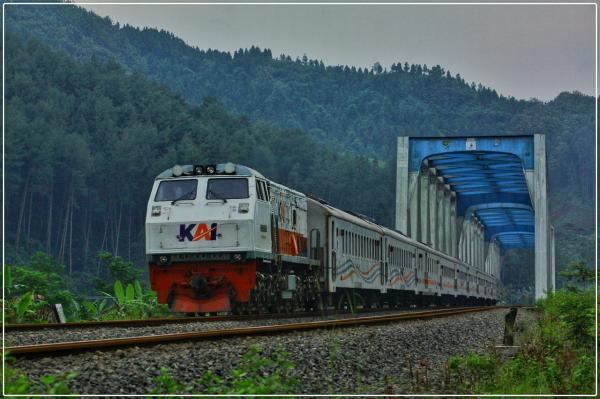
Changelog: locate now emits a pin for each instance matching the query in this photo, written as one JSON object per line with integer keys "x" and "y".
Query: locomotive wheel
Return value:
{"x": 311, "y": 305}
{"x": 240, "y": 308}
{"x": 393, "y": 302}
{"x": 274, "y": 308}
{"x": 289, "y": 307}
{"x": 350, "y": 300}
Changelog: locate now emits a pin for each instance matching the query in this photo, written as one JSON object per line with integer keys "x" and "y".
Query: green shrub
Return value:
{"x": 42, "y": 275}
{"x": 118, "y": 269}
{"x": 556, "y": 354}
{"x": 27, "y": 308}
{"x": 583, "y": 375}
{"x": 130, "y": 302}
{"x": 578, "y": 274}
{"x": 14, "y": 383}
{"x": 572, "y": 310}
{"x": 166, "y": 384}
{"x": 93, "y": 310}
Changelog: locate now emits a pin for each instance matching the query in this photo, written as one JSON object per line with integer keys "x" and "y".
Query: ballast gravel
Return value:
{"x": 396, "y": 358}
{"x": 52, "y": 335}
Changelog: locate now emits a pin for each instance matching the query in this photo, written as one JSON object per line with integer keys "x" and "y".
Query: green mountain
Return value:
{"x": 351, "y": 111}
{"x": 361, "y": 110}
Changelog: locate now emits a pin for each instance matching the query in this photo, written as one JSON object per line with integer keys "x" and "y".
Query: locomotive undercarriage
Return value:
{"x": 357, "y": 299}
{"x": 241, "y": 288}
{"x": 279, "y": 289}
{"x": 256, "y": 287}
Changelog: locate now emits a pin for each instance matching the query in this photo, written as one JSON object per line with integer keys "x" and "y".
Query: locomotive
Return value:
{"x": 224, "y": 238}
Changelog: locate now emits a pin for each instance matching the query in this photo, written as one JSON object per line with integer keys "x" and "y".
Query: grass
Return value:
{"x": 556, "y": 355}
{"x": 256, "y": 374}
{"x": 18, "y": 384}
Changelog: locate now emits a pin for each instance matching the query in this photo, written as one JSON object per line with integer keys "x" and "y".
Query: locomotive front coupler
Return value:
{"x": 204, "y": 286}
{"x": 200, "y": 286}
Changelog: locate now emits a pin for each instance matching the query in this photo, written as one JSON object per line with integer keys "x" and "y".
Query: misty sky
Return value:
{"x": 523, "y": 51}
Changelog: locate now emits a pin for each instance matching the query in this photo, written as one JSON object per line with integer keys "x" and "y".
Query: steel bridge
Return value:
{"x": 476, "y": 197}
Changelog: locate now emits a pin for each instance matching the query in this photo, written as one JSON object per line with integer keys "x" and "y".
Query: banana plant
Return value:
{"x": 95, "y": 310}
{"x": 8, "y": 281}
{"x": 131, "y": 302}
{"x": 24, "y": 308}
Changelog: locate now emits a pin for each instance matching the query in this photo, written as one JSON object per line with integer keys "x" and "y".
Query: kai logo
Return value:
{"x": 202, "y": 232}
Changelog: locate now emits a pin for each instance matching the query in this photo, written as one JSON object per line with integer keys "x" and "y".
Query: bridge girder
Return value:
{"x": 473, "y": 197}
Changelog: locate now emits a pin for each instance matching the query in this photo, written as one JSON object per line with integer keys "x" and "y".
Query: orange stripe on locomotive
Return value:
{"x": 291, "y": 243}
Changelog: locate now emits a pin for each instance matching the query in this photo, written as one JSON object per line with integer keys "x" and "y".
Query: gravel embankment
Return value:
{"x": 383, "y": 359}
{"x": 51, "y": 335}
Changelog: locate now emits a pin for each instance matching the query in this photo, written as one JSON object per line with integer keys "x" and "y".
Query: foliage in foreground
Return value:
{"x": 128, "y": 303}
{"x": 255, "y": 374}
{"x": 125, "y": 303}
{"x": 26, "y": 308}
{"x": 18, "y": 384}
{"x": 556, "y": 355}
{"x": 33, "y": 287}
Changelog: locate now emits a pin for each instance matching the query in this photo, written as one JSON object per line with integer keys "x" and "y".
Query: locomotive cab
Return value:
{"x": 205, "y": 227}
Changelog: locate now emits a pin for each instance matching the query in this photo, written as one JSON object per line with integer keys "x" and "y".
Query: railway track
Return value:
{"x": 151, "y": 322}
{"x": 178, "y": 320}
{"x": 183, "y": 320}
{"x": 112, "y": 343}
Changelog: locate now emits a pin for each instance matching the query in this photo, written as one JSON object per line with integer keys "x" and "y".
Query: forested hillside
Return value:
{"x": 109, "y": 130}
{"x": 85, "y": 141}
{"x": 361, "y": 110}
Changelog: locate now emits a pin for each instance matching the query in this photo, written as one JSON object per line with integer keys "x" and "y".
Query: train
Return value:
{"x": 224, "y": 238}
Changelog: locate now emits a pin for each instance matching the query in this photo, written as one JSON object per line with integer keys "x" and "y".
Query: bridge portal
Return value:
{"x": 475, "y": 197}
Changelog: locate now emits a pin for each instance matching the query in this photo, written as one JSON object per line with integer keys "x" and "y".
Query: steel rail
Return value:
{"x": 111, "y": 343}
{"x": 151, "y": 321}
{"x": 191, "y": 319}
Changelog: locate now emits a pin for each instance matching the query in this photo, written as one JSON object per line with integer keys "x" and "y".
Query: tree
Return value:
{"x": 579, "y": 273}
{"x": 377, "y": 68}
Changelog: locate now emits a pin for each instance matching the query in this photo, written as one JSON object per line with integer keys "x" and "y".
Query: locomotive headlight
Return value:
{"x": 210, "y": 169}
{"x": 229, "y": 168}
{"x": 244, "y": 207}
{"x": 177, "y": 170}
{"x": 163, "y": 260}
{"x": 156, "y": 211}
{"x": 198, "y": 169}
{"x": 237, "y": 257}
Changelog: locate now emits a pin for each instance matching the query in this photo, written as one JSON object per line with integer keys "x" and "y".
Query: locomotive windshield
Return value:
{"x": 171, "y": 190}
{"x": 227, "y": 188}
